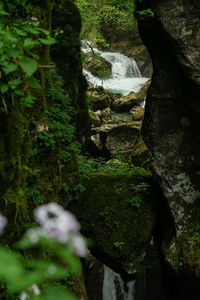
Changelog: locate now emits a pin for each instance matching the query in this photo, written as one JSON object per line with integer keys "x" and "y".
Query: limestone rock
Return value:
{"x": 124, "y": 104}
{"x": 137, "y": 113}
{"x": 171, "y": 126}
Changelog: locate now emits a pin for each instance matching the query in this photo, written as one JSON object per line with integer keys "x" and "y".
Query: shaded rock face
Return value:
{"x": 171, "y": 125}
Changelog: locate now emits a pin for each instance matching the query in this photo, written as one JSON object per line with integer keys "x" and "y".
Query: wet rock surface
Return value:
{"x": 171, "y": 127}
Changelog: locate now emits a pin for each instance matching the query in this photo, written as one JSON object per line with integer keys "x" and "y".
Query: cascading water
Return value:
{"x": 114, "y": 287}
{"x": 126, "y": 76}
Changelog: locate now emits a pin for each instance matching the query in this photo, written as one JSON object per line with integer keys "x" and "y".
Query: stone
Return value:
{"x": 125, "y": 103}
{"x": 141, "y": 155}
{"x": 93, "y": 271}
{"x": 98, "y": 98}
{"x": 122, "y": 138}
{"x": 171, "y": 128}
{"x": 106, "y": 115}
{"x": 137, "y": 113}
{"x": 119, "y": 230}
{"x": 95, "y": 120}
{"x": 97, "y": 65}
{"x": 96, "y": 140}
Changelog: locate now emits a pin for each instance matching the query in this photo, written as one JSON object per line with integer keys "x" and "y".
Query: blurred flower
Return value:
{"x": 33, "y": 289}
{"x": 59, "y": 224}
{"x": 3, "y": 223}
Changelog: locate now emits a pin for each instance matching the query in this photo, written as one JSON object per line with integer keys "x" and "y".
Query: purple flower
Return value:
{"x": 61, "y": 225}
{"x": 3, "y": 223}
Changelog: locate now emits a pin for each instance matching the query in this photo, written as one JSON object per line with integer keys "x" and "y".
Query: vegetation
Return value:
{"x": 119, "y": 13}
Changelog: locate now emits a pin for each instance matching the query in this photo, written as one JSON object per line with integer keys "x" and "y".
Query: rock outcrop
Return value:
{"x": 171, "y": 128}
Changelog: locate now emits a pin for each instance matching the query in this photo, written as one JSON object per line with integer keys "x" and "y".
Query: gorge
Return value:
{"x": 129, "y": 174}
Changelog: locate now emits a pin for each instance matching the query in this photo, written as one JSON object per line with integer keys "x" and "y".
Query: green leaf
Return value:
{"x": 29, "y": 65}
{"x": 48, "y": 41}
{"x": 10, "y": 68}
{"x": 19, "y": 92}
{"x": 4, "y": 88}
{"x": 14, "y": 52}
{"x": 14, "y": 82}
{"x": 32, "y": 81}
{"x": 29, "y": 43}
{"x": 28, "y": 101}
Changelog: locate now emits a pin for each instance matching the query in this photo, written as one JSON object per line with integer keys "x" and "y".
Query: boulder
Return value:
{"x": 106, "y": 115}
{"x": 95, "y": 120}
{"x": 124, "y": 104}
{"x": 98, "y": 98}
{"x": 137, "y": 113}
{"x": 119, "y": 227}
{"x": 141, "y": 155}
{"x": 122, "y": 138}
{"x": 97, "y": 65}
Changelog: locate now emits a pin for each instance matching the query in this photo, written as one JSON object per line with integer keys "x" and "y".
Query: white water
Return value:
{"x": 114, "y": 287}
{"x": 126, "y": 76}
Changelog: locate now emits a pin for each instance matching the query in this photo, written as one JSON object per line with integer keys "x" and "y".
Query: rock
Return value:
{"x": 96, "y": 140}
{"x": 122, "y": 138}
{"x": 93, "y": 270}
{"x": 106, "y": 115}
{"x": 95, "y": 120}
{"x": 141, "y": 155}
{"x": 120, "y": 230}
{"x": 137, "y": 113}
{"x": 98, "y": 98}
{"x": 124, "y": 104}
{"x": 97, "y": 65}
{"x": 171, "y": 129}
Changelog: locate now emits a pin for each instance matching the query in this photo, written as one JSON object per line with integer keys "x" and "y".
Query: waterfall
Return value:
{"x": 126, "y": 76}
{"x": 114, "y": 287}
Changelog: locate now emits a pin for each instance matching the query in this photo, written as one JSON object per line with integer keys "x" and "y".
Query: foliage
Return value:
{"x": 117, "y": 165}
{"x": 118, "y": 245}
{"x": 145, "y": 13}
{"x": 119, "y": 13}
{"x": 121, "y": 19}
{"x": 32, "y": 278}
{"x": 18, "y": 60}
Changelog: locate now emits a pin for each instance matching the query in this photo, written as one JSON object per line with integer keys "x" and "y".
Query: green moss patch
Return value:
{"x": 116, "y": 212}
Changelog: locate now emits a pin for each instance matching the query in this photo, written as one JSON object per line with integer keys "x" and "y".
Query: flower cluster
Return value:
{"x": 60, "y": 225}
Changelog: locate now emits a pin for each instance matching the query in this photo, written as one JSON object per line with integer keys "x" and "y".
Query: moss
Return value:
{"x": 97, "y": 65}
{"x": 186, "y": 252}
{"x": 109, "y": 219}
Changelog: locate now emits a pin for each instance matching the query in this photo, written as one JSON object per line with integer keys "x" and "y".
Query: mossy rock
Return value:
{"x": 184, "y": 252}
{"x": 110, "y": 216}
{"x": 97, "y": 65}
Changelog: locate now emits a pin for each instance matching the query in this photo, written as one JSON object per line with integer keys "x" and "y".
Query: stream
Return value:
{"x": 114, "y": 288}
{"x": 126, "y": 76}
